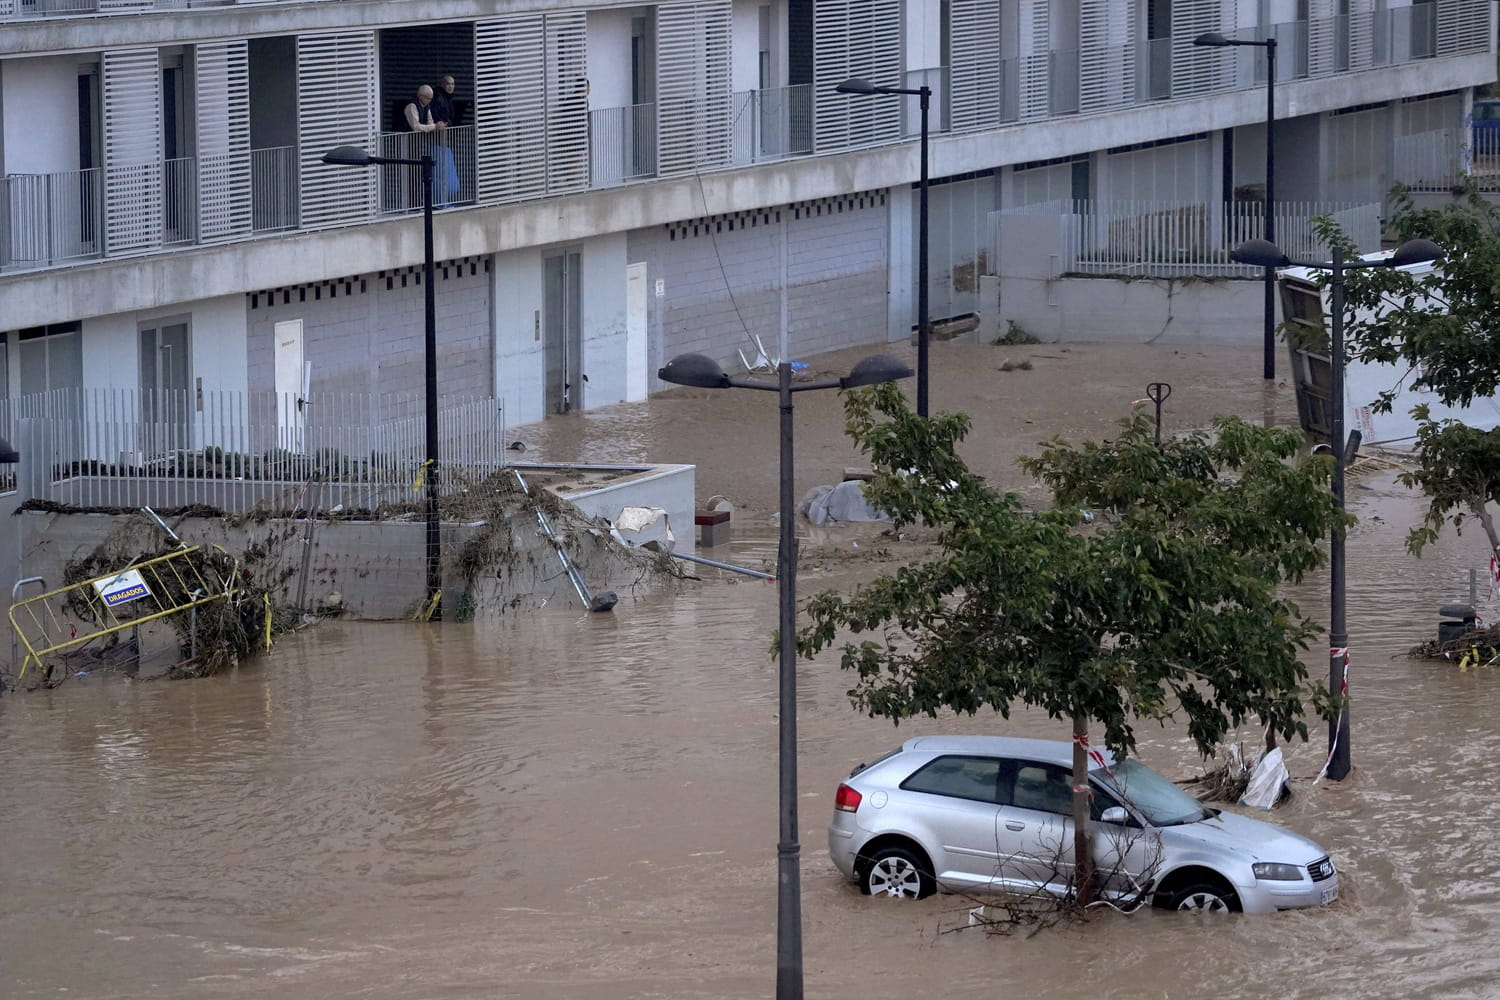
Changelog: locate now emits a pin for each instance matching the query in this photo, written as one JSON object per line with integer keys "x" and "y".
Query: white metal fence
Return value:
{"x": 622, "y": 144}
{"x": 126, "y": 447}
{"x": 1165, "y": 239}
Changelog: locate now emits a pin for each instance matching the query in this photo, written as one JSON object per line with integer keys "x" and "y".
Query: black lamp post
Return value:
{"x": 924, "y": 320}
{"x": 1269, "y": 256}
{"x": 705, "y": 373}
{"x": 353, "y": 156}
{"x": 1215, "y": 40}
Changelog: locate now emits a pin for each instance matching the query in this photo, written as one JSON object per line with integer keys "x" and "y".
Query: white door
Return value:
{"x": 291, "y": 387}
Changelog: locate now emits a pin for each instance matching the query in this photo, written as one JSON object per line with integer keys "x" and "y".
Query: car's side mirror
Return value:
{"x": 1115, "y": 814}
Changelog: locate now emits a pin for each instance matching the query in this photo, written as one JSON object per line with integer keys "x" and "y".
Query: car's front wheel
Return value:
{"x": 896, "y": 871}
{"x": 1202, "y": 898}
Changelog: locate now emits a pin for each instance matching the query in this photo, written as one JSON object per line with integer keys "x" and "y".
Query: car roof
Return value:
{"x": 1047, "y": 751}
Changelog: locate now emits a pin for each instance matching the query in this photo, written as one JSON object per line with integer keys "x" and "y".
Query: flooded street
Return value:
{"x": 563, "y": 804}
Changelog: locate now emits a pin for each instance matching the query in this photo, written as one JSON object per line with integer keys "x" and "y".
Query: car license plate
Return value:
{"x": 1328, "y": 896}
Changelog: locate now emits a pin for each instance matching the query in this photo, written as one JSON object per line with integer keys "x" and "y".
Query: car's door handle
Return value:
{"x": 1011, "y": 824}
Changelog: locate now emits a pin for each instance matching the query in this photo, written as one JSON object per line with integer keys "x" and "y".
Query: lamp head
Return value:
{"x": 348, "y": 156}
{"x": 1212, "y": 39}
{"x": 1261, "y": 253}
{"x": 874, "y": 369}
{"x": 1416, "y": 252}
{"x": 696, "y": 370}
{"x": 854, "y": 85}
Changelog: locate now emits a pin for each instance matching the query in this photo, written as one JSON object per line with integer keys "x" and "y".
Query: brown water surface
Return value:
{"x": 572, "y": 805}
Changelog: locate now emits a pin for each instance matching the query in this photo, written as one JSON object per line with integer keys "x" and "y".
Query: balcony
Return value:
{"x": 452, "y": 152}
{"x": 48, "y": 219}
{"x": 274, "y": 187}
{"x": 622, "y": 144}
{"x": 772, "y": 124}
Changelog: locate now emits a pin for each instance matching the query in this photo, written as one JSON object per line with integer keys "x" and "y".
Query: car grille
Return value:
{"x": 1321, "y": 869}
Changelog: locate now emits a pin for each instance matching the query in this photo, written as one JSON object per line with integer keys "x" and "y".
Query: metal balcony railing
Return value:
{"x": 772, "y": 124}
{"x": 622, "y": 144}
{"x": 179, "y": 201}
{"x": 49, "y": 219}
{"x": 274, "y": 187}
{"x": 452, "y": 152}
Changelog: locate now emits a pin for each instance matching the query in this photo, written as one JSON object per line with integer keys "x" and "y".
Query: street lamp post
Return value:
{"x": 353, "y": 156}
{"x": 705, "y": 373}
{"x": 1215, "y": 40}
{"x": 924, "y": 318}
{"x": 1268, "y": 255}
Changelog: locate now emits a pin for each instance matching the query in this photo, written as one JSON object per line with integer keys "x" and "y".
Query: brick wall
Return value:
{"x": 365, "y": 333}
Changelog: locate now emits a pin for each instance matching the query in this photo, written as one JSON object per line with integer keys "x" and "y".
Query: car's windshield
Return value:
{"x": 1160, "y": 801}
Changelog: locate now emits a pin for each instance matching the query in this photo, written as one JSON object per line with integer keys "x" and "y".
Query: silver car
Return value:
{"x": 994, "y": 813}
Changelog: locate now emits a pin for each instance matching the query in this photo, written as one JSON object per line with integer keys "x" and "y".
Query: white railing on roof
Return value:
{"x": 232, "y": 450}
{"x": 1176, "y": 239}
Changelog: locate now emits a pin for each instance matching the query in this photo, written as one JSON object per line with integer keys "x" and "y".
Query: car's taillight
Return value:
{"x": 847, "y": 800}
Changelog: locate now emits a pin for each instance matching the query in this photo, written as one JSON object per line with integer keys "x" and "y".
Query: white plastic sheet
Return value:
{"x": 1267, "y": 781}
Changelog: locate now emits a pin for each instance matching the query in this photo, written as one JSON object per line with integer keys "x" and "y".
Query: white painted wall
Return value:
{"x": 218, "y": 332}
{"x": 40, "y": 112}
{"x": 609, "y": 57}
{"x": 923, "y": 49}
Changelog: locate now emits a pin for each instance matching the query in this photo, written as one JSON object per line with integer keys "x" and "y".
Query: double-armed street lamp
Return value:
{"x": 1213, "y": 39}
{"x": 353, "y": 156}
{"x": 924, "y": 319}
{"x": 1269, "y": 256}
{"x": 703, "y": 372}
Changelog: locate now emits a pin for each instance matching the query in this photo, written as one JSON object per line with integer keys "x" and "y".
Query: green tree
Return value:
{"x": 1164, "y": 605}
{"x": 1442, "y": 332}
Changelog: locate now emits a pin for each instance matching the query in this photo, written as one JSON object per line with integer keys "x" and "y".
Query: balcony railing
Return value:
{"x": 622, "y": 144}
{"x": 772, "y": 124}
{"x": 274, "y": 188}
{"x": 179, "y": 201}
{"x": 452, "y": 152}
{"x": 50, "y": 219}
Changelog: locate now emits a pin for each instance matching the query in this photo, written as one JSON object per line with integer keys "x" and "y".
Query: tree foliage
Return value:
{"x": 1162, "y": 606}
{"x": 1442, "y": 331}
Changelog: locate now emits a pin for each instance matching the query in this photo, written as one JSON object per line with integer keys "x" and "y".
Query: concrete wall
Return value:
{"x": 366, "y": 334}
{"x": 1138, "y": 310}
{"x": 818, "y": 267}
{"x": 39, "y": 110}
{"x": 217, "y": 339}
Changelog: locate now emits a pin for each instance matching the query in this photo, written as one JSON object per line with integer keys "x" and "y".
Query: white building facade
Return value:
{"x": 625, "y": 183}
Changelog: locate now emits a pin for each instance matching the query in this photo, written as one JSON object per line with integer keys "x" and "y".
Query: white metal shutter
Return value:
{"x": 510, "y": 109}
{"x": 693, "y": 98}
{"x": 119, "y": 5}
{"x": 856, "y": 38}
{"x": 974, "y": 67}
{"x": 131, "y": 83}
{"x": 1199, "y": 69}
{"x": 567, "y": 132}
{"x": 1463, "y": 26}
{"x": 223, "y": 128}
{"x": 340, "y": 70}
{"x": 1106, "y": 59}
{"x": 1036, "y": 58}
{"x": 1361, "y": 34}
{"x": 1321, "y": 37}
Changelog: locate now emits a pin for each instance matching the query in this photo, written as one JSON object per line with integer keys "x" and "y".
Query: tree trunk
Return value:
{"x": 1083, "y": 853}
{"x": 1487, "y": 522}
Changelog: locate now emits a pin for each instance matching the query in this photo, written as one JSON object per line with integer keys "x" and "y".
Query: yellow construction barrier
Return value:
{"x": 73, "y": 615}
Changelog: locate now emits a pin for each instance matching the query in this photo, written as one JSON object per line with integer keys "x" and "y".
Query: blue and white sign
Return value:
{"x": 122, "y": 589}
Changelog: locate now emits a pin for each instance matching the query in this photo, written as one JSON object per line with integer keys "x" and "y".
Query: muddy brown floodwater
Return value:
{"x": 584, "y": 805}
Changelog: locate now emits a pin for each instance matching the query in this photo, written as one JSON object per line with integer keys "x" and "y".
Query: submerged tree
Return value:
{"x": 1443, "y": 331}
{"x": 1163, "y": 606}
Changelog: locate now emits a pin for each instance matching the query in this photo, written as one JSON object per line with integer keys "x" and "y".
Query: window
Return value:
{"x": 51, "y": 357}
{"x": 960, "y": 777}
{"x": 1043, "y": 787}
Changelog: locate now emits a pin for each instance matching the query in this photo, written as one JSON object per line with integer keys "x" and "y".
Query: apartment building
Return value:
{"x": 627, "y": 182}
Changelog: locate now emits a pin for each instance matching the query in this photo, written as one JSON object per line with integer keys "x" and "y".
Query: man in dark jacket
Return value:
{"x": 442, "y": 101}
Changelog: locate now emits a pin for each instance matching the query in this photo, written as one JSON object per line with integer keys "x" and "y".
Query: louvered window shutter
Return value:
{"x": 1463, "y": 26}
{"x": 1321, "y": 29}
{"x": 510, "y": 108}
{"x": 974, "y": 72}
{"x": 693, "y": 100}
{"x": 1361, "y": 34}
{"x": 1106, "y": 60}
{"x": 131, "y": 83}
{"x": 567, "y": 133}
{"x": 1036, "y": 54}
{"x": 336, "y": 107}
{"x": 856, "y": 38}
{"x": 223, "y": 103}
{"x": 1199, "y": 69}
{"x": 120, "y": 5}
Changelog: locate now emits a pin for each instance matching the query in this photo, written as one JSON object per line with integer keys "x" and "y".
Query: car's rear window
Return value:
{"x": 878, "y": 760}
